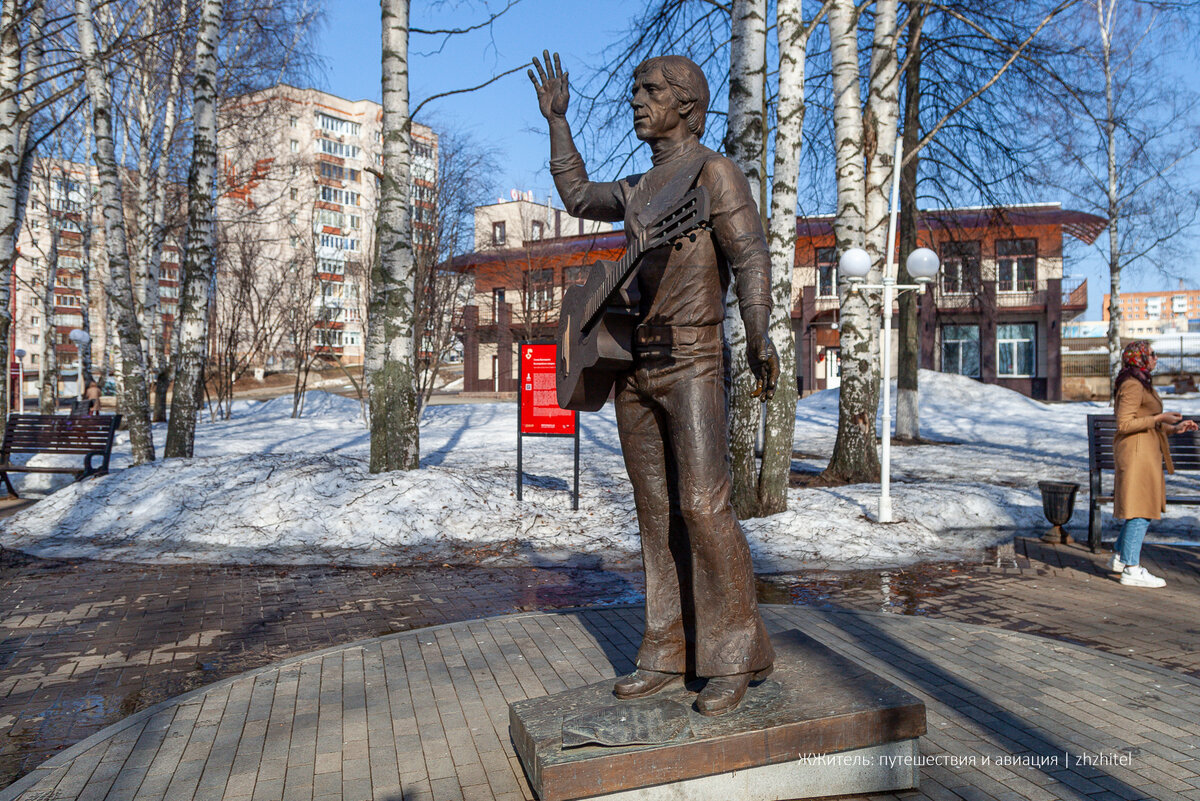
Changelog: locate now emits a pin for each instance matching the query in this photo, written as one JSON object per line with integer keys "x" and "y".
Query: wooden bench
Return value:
{"x": 91, "y": 437}
{"x": 1185, "y": 453}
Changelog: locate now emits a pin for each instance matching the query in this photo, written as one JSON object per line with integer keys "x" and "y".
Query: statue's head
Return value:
{"x": 687, "y": 84}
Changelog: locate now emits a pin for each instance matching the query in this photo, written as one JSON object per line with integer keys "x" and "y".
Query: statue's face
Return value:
{"x": 655, "y": 109}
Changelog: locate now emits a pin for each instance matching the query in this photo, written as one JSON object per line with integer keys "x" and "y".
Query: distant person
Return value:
{"x": 91, "y": 395}
{"x": 1141, "y": 450}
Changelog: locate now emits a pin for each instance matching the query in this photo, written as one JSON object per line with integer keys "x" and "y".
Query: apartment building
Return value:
{"x": 511, "y": 223}
{"x": 64, "y": 227}
{"x": 301, "y": 182}
{"x": 1146, "y": 314}
{"x": 995, "y": 313}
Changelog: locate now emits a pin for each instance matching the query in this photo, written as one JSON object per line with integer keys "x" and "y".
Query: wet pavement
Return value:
{"x": 85, "y": 643}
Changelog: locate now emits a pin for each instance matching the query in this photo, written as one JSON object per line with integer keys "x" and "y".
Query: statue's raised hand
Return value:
{"x": 553, "y": 90}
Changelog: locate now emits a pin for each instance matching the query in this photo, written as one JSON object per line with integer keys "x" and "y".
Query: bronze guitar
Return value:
{"x": 595, "y": 337}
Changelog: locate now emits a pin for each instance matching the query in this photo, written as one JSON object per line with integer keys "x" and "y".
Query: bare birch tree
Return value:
{"x": 134, "y": 399}
{"x": 389, "y": 368}
{"x": 744, "y": 145}
{"x": 1122, "y": 135}
{"x": 199, "y": 258}
{"x": 864, "y": 140}
{"x": 22, "y": 44}
{"x": 793, "y": 34}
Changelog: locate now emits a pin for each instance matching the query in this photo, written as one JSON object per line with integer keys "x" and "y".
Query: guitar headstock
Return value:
{"x": 690, "y": 214}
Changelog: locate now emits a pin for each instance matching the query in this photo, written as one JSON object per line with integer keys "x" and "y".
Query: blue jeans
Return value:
{"x": 1129, "y": 541}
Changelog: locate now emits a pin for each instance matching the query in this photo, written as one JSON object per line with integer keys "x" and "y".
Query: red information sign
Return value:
{"x": 540, "y": 413}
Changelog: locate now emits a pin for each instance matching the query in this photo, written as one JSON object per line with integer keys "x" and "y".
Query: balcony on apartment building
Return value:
{"x": 1013, "y": 295}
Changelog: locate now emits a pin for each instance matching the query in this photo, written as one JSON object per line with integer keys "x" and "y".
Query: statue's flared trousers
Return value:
{"x": 701, "y": 612}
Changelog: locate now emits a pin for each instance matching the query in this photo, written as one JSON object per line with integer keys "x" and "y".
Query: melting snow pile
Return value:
{"x": 268, "y": 488}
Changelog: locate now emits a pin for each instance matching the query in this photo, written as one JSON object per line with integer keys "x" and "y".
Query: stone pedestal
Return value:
{"x": 819, "y": 725}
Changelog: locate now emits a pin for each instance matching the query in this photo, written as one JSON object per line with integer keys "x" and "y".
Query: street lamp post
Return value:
{"x": 81, "y": 338}
{"x": 854, "y": 265}
{"x": 18, "y": 402}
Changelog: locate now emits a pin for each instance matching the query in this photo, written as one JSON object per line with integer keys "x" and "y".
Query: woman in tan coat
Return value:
{"x": 1141, "y": 451}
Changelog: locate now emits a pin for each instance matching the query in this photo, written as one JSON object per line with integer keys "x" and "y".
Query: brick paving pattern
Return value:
{"x": 422, "y": 715}
{"x": 85, "y": 644}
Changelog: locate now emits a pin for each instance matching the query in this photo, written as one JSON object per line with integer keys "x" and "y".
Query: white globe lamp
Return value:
{"x": 854, "y": 264}
{"x": 922, "y": 265}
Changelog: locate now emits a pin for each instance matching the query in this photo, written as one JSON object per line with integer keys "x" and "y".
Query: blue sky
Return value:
{"x": 505, "y": 114}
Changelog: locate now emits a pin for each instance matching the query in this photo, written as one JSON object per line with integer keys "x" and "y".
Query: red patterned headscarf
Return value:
{"x": 1135, "y": 363}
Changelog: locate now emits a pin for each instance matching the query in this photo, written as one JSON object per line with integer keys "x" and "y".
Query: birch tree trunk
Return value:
{"x": 780, "y": 427}
{"x": 854, "y": 456}
{"x": 134, "y": 399}
{"x": 11, "y": 151}
{"x": 48, "y": 385}
{"x": 1105, "y": 15}
{"x": 20, "y": 64}
{"x": 199, "y": 258}
{"x": 390, "y": 348}
{"x": 744, "y": 144}
{"x": 158, "y": 363}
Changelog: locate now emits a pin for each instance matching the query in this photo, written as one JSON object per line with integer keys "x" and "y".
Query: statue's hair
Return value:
{"x": 687, "y": 83}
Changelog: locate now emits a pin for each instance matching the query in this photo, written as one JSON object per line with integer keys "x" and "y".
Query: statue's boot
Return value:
{"x": 723, "y": 693}
{"x": 641, "y": 683}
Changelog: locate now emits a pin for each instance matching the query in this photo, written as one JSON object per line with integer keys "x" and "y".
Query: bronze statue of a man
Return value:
{"x": 701, "y": 614}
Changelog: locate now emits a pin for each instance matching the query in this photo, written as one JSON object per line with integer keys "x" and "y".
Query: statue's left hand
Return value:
{"x": 764, "y": 363}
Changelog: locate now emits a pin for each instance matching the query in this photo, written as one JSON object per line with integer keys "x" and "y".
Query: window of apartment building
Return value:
{"x": 355, "y": 221}
{"x": 497, "y": 302}
{"x": 337, "y": 125}
{"x": 1154, "y": 308}
{"x": 537, "y": 230}
{"x": 574, "y": 275}
{"x": 826, "y": 272}
{"x": 1016, "y": 265}
{"x": 331, "y": 266}
{"x": 960, "y": 350}
{"x": 329, "y": 337}
{"x": 1179, "y": 304}
{"x": 1015, "y": 351}
{"x": 339, "y": 149}
{"x": 541, "y": 289}
{"x": 292, "y": 217}
{"x": 498, "y": 233}
{"x": 295, "y": 170}
{"x": 339, "y": 242}
{"x": 33, "y": 358}
{"x": 294, "y": 146}
{"x": 66, "y": 300}
{"x": 293, "y": 122}
{"x": 332, "y": 218}
{"x": 294, "y": 193}
{"x": 960, "y": 266}
{"x": 34, "y": 319}
{"x": 34, "y": 339}
{"x": 293, "y": 240}
{"x": 353, "y": 338}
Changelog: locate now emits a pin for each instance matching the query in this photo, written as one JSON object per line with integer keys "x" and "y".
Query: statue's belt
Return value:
{"x": 669, "y": 335}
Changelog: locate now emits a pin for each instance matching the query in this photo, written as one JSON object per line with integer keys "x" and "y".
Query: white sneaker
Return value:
{"x": 1138, "y": 576}
{"x": 1115, "y": 565}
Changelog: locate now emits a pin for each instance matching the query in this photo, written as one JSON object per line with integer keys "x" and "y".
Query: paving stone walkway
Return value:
{"x": 84, "y": 644}
{"x": 422, "y": 715}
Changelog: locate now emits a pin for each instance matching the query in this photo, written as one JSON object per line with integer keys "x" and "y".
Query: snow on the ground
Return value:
{"x": 267, "y": 488}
